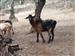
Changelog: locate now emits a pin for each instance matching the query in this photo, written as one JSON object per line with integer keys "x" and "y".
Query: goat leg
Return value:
{"x": 9, "y": 33}
{"x": 42, "y": 37}
{"x": 37, "y": 38}
{"x": 52, "y": 35}
{"x": 12, "y": 31}
{"x": 49, "y": 37}
{"x": 4, "y": 32}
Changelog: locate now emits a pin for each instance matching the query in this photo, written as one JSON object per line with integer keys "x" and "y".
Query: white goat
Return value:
{"x": 6, "y": 28}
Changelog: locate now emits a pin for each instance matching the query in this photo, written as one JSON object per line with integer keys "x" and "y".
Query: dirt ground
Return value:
{"x": 64, "y": 41}
{"x": 63, "y": 44}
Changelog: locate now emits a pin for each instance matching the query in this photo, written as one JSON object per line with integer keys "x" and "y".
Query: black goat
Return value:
{"x": 43, "y": 25}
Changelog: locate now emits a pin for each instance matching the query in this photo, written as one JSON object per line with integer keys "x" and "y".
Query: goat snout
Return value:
{"x": 30, "y": 16}
{"x": 26, "y": 17}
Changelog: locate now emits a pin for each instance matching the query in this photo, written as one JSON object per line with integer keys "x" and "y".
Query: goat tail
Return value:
{"x": 55, "y": 22}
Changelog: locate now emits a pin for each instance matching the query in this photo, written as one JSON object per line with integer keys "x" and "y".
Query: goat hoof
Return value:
{"x": 43, "y": 41}
{"x": 49, "y": 41}
{"x": 37, "y": 41}
{"x": 13, "y": 33}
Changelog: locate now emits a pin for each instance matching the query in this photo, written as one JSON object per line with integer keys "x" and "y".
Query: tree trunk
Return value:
{"x": 39, "y": 6}
{"x": 22, "y": 2}
{"x": 12, "y": 16}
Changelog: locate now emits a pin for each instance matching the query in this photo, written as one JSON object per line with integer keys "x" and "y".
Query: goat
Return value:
{"x": 41, "y": 26}
{"x": 6, "y": 27}
{"x": 8, "y": 21}
{"x": 5, "y": 21}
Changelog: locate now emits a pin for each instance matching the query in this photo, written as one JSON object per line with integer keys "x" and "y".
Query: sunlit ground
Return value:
{"x": 64, "y": 42}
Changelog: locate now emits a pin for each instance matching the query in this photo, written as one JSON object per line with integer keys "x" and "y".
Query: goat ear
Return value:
{"x": 26, "y": 18}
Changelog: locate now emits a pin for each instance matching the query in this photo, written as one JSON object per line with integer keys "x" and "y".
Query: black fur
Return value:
{"x": 8, "y": 21}
{"x": 46, "y": 25}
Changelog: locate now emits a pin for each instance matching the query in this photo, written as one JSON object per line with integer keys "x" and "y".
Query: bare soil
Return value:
{"x": 64, "y": 41}
{"x": 63, "y": 44}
